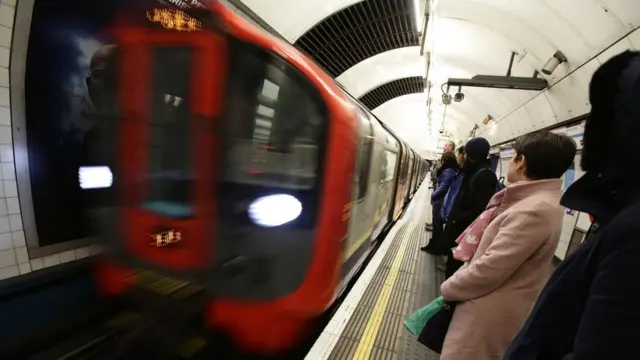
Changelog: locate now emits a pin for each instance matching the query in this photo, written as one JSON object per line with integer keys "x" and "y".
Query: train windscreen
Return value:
{"x": 276, "y": 123}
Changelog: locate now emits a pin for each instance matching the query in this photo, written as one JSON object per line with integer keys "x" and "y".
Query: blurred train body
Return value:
{"x": 238, "y": 170}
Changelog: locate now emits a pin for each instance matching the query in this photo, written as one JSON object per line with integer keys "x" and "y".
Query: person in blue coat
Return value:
{"x": 589, "y": 308}
{"x": 447, "y": 171}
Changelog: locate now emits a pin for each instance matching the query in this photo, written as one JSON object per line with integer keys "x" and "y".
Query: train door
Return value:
{"x": 364, "y": 198}
{"x": 168, "y": 105}
{"x": 409, "y": 174}
{"x": 400, "y": 176}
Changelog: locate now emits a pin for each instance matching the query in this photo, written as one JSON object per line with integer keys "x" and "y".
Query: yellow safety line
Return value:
{"x": 363, "y": 351}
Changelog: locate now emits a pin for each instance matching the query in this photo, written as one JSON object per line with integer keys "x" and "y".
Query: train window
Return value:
{"x": 364, "y": 154}
{"x": 170, "y": 131}
{"x": 390, "y": 159}
{"x": 276, "y": 123}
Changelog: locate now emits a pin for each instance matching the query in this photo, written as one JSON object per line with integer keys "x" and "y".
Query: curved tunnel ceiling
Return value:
{"x": 465, "y": 38}
{"x": 383, "y": 68}
{"x": 392, "y": 90}
{"x": 359, "y": 32}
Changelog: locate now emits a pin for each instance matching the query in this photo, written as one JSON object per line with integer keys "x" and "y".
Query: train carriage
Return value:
{"x": 238, "y": 170}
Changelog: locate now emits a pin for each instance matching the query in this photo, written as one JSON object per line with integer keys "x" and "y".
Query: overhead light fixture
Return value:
{"x": 553, "y": 63}
{"x": 446, "y": 99}
{"x": 416, "y": 4}
{"x": 459, "y": 96}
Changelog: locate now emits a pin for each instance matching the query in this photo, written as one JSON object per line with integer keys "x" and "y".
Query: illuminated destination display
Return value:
{"x": 174, "y": 20}
{"x": 166, "y": 238}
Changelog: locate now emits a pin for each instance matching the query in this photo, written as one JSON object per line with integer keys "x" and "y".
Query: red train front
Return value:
{"x": 229, "y": 155}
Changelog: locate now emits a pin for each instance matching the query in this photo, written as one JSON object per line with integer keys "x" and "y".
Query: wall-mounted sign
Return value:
{"x": 174, "y": 20}
{"x": 507, "y": 153}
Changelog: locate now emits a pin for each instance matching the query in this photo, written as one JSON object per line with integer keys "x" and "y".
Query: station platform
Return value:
{"x": 398, "y": 280}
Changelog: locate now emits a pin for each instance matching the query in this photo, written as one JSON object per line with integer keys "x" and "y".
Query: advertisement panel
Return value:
{"x": 66, "y": 52}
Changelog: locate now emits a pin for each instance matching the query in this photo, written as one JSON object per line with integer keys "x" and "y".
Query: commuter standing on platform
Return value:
{"x": 449, "y": 146}
{"x": 507, "y": 251}
{"x": 589, "y": 308}
{"x": 460, "y": 157}
{"x": 468, "y": 197}
{"x": 446, "y": 173}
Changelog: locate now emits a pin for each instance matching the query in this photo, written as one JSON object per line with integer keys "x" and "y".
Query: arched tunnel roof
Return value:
{"x": 370, "y": 46}
{"x": 392, "y": 90}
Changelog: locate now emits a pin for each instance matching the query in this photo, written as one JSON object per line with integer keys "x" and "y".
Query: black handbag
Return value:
{"x": 434, "y": 332}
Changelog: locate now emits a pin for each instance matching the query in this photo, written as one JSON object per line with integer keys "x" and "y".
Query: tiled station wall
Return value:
{"x": 14, "y": 255}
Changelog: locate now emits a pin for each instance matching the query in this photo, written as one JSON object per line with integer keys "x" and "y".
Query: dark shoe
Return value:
{"x": 427, "y": 248}
{"x": 428, "y": 227}
{"x": 441, "y": 267}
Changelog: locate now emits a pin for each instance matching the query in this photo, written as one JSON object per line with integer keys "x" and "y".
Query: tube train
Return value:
{"x": 229, "y": 165}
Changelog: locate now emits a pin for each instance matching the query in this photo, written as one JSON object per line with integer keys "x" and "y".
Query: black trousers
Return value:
{"x": 438, "y": 227}
{"x": 452, "y": 265}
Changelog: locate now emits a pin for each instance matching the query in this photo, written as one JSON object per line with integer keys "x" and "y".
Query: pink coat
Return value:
{"x": 496, "y": 290}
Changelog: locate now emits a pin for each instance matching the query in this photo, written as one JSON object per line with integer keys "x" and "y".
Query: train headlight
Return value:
{"x": 95, "y": 177}
{"x": 274, "y": 210}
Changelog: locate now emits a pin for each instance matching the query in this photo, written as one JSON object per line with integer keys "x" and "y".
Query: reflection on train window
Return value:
{"x": 170, "y": 136}
{"x": 390, "y": 159}
{"x": 276, "y": 123}
{"x": 364, "y": 154}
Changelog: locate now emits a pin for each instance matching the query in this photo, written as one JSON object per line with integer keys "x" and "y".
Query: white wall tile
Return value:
{"x": 6, "y": 15}
{"x": 4, "y": 72}
{"x": 18, "y": 238}
{"x": 36, "y": 264}
{"x": 5, "y": 132}
{"x": 5, "y": 56}
{"x": 5, "y": 111}
{"x": 8, "y": 272}
{"x": 8, "y": 171}
{"x": 5, "y": 36}
{"x": 67, "y": 256}
{"x": 7, "y": 258}
{"x": 6, "y": 241}
{"x": 51, "y": 260}
{"x": 21, "y": 254}
{"x": 3, "y": 207}
{"x": 24, "y": 268}
{"x": 4, "y": 224}
{"x": 83, "y": 252}
{"x": 15, "y": 221}
{"x": 10, "y": 188}
{"x": 5, "y": 98}
{"x": 13, "y": 205}
{"x": 6, "y": 153}
{"x": 95, "y": 249}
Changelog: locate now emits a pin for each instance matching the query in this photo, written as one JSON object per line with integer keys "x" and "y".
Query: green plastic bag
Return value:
{"x": 419, "y": 319}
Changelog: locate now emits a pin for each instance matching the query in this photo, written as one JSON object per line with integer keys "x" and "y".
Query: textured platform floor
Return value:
{"x": 405, "y": 280}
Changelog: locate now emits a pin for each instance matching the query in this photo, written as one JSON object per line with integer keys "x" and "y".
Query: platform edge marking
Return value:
{"x": 324, "y": 346}
{"x": 365, "y": 346}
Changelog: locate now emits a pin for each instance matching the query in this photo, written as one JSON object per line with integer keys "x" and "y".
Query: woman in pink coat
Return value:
{"x": 508, "y": 251}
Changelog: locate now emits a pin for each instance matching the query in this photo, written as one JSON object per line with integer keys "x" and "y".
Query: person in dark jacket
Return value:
{"x": 589, "y": 307}
{"x": 477, "y": 186}
{"x": 446, "y": 173}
